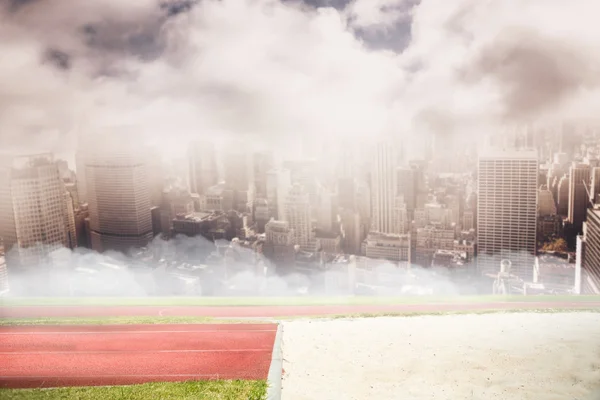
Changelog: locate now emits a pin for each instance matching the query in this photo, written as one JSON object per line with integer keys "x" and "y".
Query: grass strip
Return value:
{"x": 122, "y": 321}
{"x": 282, "y": 301}
{"x": 210, "y": 390}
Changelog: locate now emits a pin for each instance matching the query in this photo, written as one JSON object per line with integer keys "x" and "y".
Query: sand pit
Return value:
{"x": 497, "y": 356}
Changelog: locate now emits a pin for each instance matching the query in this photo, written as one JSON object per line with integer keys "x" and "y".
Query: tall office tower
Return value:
{"x": 8, "y": 232}
{"x": 39, "y": 209}
{"x": 579, "y": 178}
{"x": 278, "y": 186}
{"x": 407, "y": 186}
{"x": 419, "y": 166}
{"x": 595, "y": 186}
{"x": 156, "y": 176}
{"x": 384, "y": 187}
{"x": 400, "y": 215}
{"x": 117, "y": 184}
{"x": 562, "y": 201}
{"x": 263, "y": 162}
{"x": 298, "y": 214}
{"x": 71, "y": 228}
{"x": 507, "y": 211}
{"x": 546, "y": 205}
{"x": 3, "y": 273}
{"x": 346, "y": 190}
{"x": 238, "y": 166}
{"x": 588, "y": 255}
{"x": 202, "y": 164}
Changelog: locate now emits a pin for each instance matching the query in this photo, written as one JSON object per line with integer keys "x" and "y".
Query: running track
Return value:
{"x": 50, "y": 356}
{"x": 274, "y": 311}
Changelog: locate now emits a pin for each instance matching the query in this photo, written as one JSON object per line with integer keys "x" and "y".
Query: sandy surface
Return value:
{"x": 496, "y": 356}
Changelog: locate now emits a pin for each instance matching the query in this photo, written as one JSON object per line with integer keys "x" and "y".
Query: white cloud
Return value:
{"x": 280, "y": 71}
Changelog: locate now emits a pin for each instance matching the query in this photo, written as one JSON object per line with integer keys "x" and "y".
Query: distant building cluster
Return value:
{"x": 362, "y": 215}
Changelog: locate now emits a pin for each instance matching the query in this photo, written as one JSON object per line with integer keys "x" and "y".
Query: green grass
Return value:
{"x": 209, "y": 390}
{"x": 121, "y": 321}
{"x": 284, "y": 301}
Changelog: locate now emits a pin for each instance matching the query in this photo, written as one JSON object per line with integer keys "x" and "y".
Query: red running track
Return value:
{"x": 50, "y": 356}
{"x": 273, "y": 311}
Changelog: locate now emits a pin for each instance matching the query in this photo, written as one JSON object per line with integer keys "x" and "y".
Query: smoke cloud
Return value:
{"x": 275, "y": 71}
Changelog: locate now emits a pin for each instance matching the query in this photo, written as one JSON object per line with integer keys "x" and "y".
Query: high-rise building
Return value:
{"x": 8, "y": 232}
{"x": 202, "y": 163}
{"x": 562, "y": 200}
{"x": 407, "y": 186}
{"x": 298, "y": 214}
{"x": 546, "y": 205}
{"x": 263, "y": 162}
{"x": 588, "y": 255}
{"x": 117, "y": 185}
{"x": 238, "y": 166}
{"x": 595, "y": 186}
{"x": 39, "y": 205}
{"x": 3, "y": 274}
{"x": 507, "y": 211}
{"x": 278, "y": 185}
{"x": 384, "y": 188}
{"x": 579, "y": 178}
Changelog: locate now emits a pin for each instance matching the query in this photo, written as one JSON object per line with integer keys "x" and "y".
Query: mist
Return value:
{"x": 185, "y": 266}
{"x": 275, "y": 71}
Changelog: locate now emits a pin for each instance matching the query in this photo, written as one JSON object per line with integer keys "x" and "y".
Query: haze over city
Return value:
{"x": 308, "y": 134}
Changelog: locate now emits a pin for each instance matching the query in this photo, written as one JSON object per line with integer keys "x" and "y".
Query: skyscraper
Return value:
{"x": 507, "y": 211}
{"x": 39, "y": 209}
{"x": 588, "y": 255}
{"x": 407, "y": 186}
{"x": 579, "y": 178}
{"x": 298, "y": 214}
{"x": 278, "y": 186}
{"x": 118, "y": 192}
{"x": 383, "y": 187}
{"x": 202, "y": 162}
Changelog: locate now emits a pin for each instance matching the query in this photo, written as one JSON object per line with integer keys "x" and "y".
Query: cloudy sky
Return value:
{"x": 279, "y": 70}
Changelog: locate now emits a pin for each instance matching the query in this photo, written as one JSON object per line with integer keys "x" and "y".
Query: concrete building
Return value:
{"x": 546, "y": 205}
{"x": 352, "y": 231}
{"x": 401, "y": 220}
{"x": 330, "y": 242}
{"x": 261, "y": 214}
{"x": 279, "y": 244}
{"x": 263, "y": 163}
{"x": 579, "y": 178}
{"x": 3, "y": 274}
{"x": 118, "y": 191}
{"x": 217, "y": 198}
{"x": 384, "y": 188}
{"x": 41, "y": 218}
{"x": 562, "y": 201}
{"x": 298, "y": 214}
{"x": 468, "y": 220}
{"x": 507, "y": 211}
{"x": 202, "y": 165}
{"x": 238, "y": 166}
{"x": 429, "y": 240}
{"x": 595, "y": 185}
{"x": 175, "y": 201}
{"x": 278, "y": 185}
{"x": 588, "y": 255}
{"x": 387, "y": 247}
{"x": 407, "y": 186}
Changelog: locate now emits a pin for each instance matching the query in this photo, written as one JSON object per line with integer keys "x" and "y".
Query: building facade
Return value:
{"x": 507, "y": 211}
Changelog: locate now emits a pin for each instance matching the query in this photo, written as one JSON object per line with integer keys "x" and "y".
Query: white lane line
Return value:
{"x": 135, "y": 351}
{"x": 120, "y": 332}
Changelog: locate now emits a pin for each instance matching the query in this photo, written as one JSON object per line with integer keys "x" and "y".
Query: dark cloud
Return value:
{"x": 535, "y": 73}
